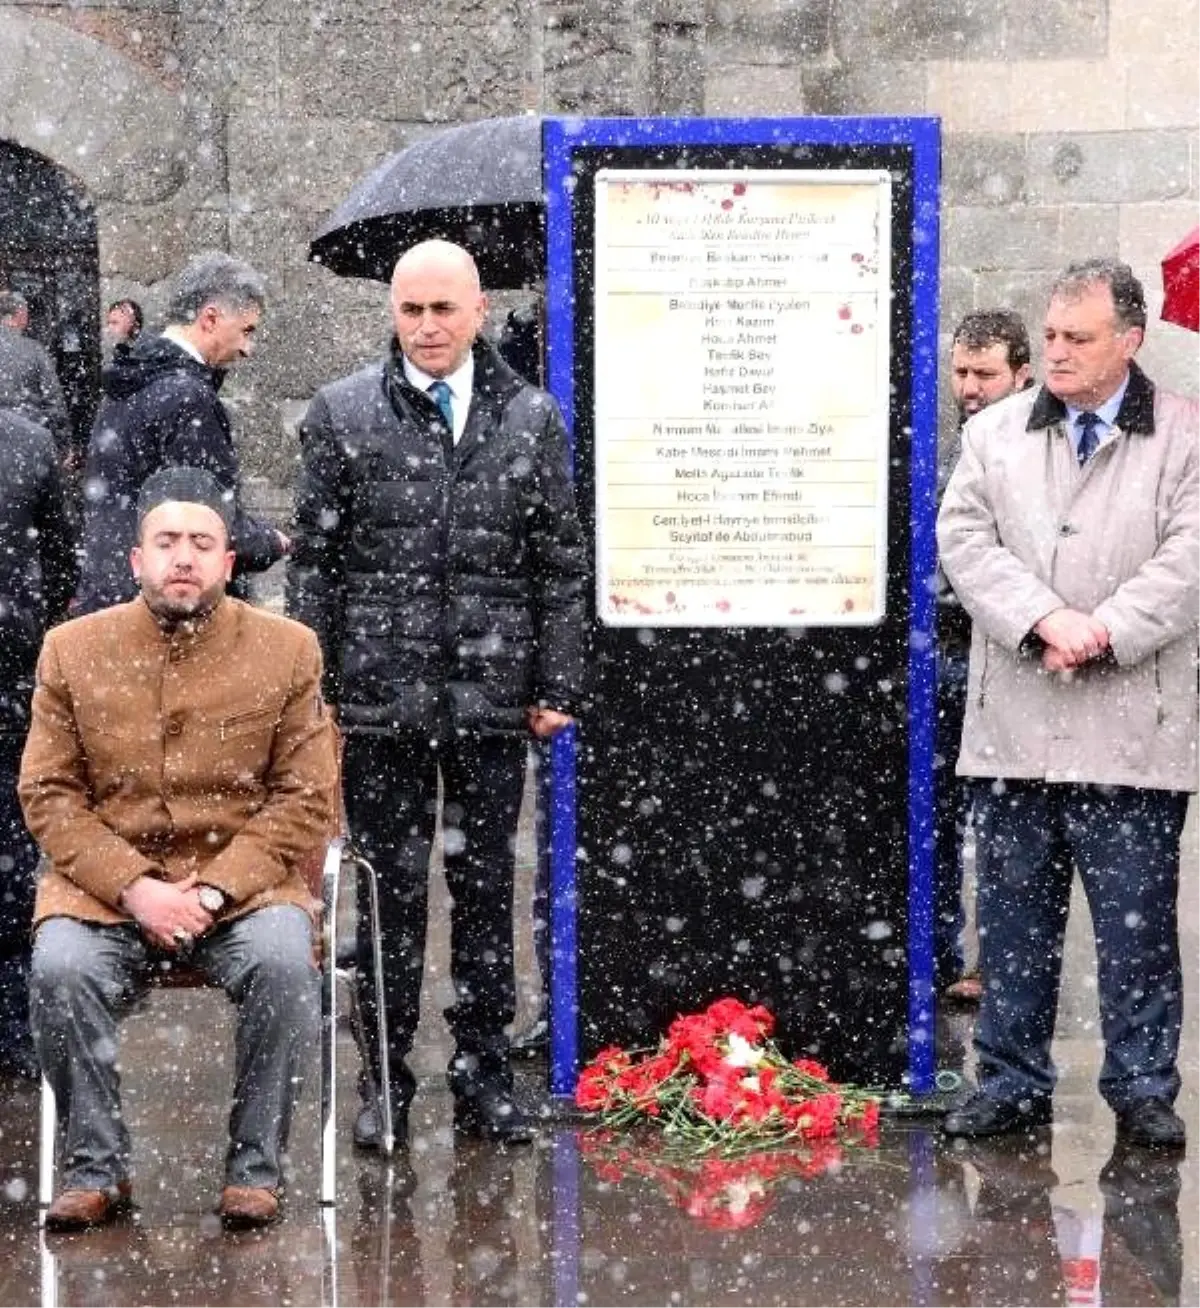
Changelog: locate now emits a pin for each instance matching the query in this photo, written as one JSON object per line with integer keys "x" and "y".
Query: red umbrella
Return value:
{"x": 1181, "y": 283}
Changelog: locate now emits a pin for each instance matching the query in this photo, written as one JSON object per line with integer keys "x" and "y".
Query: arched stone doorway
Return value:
{"x": 96, "y": 149}
{"x": 49, "y": 252}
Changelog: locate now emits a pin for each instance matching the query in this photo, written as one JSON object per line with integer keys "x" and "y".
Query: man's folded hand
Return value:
{"x": 168, "y": 912}
{"x": 1071, "y": 638}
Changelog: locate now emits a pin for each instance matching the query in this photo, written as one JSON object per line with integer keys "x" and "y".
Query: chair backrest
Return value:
{"x": 313, "y": 866}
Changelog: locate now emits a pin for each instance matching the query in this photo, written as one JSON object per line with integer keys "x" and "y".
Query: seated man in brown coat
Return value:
{"x": 179, "y": 769}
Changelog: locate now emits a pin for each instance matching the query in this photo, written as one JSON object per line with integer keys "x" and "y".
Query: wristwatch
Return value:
{"x": 211, "y": 899}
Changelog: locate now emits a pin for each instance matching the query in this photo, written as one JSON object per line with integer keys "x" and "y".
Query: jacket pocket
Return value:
{"x": 1160, "y": 713}
{"x": 242, "y": 724}
{"x": 368, "y": 657}
{"x": 472, "y": 708}
{"x": 985, "y": 671}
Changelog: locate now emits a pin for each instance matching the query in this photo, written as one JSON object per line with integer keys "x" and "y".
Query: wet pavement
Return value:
{"x": 1060, "y": 1217}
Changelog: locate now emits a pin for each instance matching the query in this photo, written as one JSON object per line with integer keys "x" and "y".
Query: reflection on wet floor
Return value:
{"x": 1060, "y": 1217}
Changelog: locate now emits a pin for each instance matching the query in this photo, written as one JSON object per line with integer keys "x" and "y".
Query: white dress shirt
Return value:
{"x": 176, "y": 337}
{"x": 461, "y": 383}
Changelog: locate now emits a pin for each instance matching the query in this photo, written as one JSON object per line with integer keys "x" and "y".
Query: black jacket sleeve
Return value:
{"x": 55, "y": 549}
{"x": 200, "y": 437}
{"x": 255, "y": 542}
{"x": 559, "y": 571}
{"x": 317, "y": 569}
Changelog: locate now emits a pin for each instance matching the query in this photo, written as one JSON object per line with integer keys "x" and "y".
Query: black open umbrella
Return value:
{"x": 479, "y": 184}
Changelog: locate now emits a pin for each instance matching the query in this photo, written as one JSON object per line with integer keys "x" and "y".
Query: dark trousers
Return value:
{"x": 86, "y": 977}
{"x": 391, "y": 785}
{"x": 1125, "y": 843}
{"x": 541, "y": 875}
{"x": 18, "y": 864}
{"x": 952, "y": 812}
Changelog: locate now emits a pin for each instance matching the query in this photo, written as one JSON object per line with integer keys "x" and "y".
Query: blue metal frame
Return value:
{"x": 560, "y": 138}
{"x": 564, "y": 1000}
{"x": 922, "y": 643}
{"x": 560, "y": 378}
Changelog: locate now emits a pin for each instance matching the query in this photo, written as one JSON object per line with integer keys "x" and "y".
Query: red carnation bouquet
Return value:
{"x": 718, "y": 1081}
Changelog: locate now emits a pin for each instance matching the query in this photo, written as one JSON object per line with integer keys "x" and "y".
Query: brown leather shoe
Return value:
{"x": 244, "y": 1206}
{"x": 75, "y": 1210}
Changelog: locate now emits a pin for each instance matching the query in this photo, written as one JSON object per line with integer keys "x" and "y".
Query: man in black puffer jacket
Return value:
{"x": 161, "y": 407}
{"x": 440, "y": 560}
{"x": 37, "y": 575}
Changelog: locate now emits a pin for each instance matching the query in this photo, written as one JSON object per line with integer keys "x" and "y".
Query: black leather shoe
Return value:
{"x": 488, "y": 1110}
{"x": 982, "y": 1115}
{"x": 533, "y": 1042}
{"x": 1151, "y": 1122}
{"x": 368, "y": 1126}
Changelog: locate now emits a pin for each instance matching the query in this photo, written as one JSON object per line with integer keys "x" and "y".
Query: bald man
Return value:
{"x": 439, "y": 558}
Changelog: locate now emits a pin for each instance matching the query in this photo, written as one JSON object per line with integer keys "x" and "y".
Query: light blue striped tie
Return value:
{"x": 442, "y": 393}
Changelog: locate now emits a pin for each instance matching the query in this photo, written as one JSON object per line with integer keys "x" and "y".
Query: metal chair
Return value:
{"x": 332, "y": 972}
{"x": 324, "y": 878}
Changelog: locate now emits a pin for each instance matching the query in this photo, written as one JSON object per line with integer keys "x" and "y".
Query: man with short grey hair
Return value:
{"x": 215, "y": 278}
{"x": 161, "y": 407}
{"x": 28, "y": 381}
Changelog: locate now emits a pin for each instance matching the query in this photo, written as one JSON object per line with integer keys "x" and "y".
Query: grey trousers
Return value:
{"x": 85, "y": 977}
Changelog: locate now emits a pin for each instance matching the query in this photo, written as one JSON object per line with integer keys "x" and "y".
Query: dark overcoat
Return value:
{"x": 445, "y": 581}
{"x": 37, "y": 563}
{"x": 160, "y": 407}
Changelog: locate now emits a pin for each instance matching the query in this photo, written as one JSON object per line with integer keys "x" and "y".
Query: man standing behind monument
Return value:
{"x": 989, "y": 360}
{"x": 440, "y": 560}
{"x": 161, "y": 406}
{"x": 1069, "y": 532}
{"x": 122, "y": 326}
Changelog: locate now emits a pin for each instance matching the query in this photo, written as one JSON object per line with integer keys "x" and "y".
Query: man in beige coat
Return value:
{"x": 178, "y": 771}
{"x": 1069, "y": 532}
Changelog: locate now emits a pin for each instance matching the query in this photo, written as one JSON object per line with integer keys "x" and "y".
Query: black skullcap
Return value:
{"x": 186, "y": 485}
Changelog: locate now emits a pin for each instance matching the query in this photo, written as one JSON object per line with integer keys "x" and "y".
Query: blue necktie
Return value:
{"x": 441, "y": 397}
{"x": 1089, "y": 436}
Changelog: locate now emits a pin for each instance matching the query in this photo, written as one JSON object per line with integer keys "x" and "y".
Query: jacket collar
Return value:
{"x": 1136, "y": 413}
{"x": 150, "y": 358}
{"x": 493, "y": 377}
{"x": 493, "y": 386}
{"x": 186, "y": 636}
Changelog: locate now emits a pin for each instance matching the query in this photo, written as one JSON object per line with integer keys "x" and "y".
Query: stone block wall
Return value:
{"x": 1070, "y": 128}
